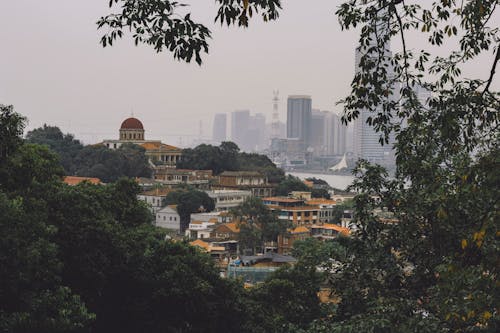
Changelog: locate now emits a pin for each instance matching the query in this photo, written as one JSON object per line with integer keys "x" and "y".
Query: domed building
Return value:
{"x": 132, "y": 131}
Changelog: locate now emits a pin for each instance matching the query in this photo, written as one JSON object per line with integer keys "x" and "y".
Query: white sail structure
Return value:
{"x": 340, "y": 166}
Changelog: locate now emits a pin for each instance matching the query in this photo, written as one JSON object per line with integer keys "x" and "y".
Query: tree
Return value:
{"x": 289, "y": 184}
{"x": 12, "y": 126}
{"x": 190, "y": 201}
{"x": 157, "y": 23}
{"x": 286, "y": 302}
{"x": 110, "y": 165}
{"x": 320, "y": 193}
{"x": 258, "y": 224}
{"x": 65, "y": 145}
{"x": 432, "y": 270}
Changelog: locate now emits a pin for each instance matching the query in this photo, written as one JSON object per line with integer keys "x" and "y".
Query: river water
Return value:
{"x": 338, "y": 181}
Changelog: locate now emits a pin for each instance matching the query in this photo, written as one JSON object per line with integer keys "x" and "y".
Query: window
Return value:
{"x": 170, "y": 218}
{"x": 285, "y": 240}
{"x": 164, "y": 218}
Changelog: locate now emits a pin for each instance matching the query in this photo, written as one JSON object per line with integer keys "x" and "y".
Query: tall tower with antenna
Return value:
{"x": 275, "y": 125}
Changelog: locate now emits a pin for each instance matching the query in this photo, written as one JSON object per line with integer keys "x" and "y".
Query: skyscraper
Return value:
{"x": 366, "y": 140}
{"x": 318, "y": 131}
{"x": 239, "y": 128}
{"x": 219, "y": 133}
{"x": 299, "y": 118}
{"x": 335, "y": 134}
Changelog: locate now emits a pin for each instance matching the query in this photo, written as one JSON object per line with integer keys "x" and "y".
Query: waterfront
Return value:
{"x": 336, "y": 181}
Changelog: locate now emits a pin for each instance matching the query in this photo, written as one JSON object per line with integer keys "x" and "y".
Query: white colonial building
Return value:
{"x": 227, "y": 199}
{"x": 168, "y": 218}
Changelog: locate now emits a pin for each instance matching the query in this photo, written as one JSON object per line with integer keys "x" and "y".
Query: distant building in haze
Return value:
{"x": 219, "y": 133}
{"x": 335, "y": 135}
{"x": 239, "y": 126}
{"x": 366, "y": 140}
{"x": 317, "y": 132}
{"x": 299, "y": 110}
{"x": 249, "y": 132}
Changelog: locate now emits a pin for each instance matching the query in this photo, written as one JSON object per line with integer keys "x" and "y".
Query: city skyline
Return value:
{"x": 54, "y": 71}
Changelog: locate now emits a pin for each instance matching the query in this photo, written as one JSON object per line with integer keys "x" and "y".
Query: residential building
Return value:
{"x": 200, "y": 229}
{"x": 168, "y": 218}
{"x": 213, "y": 217}
{"x": 285, "y": 242}
{"x": 252, "y": 181}
{"x": 227, "y": 199}
{"x": 327, "y": 209}
{"x": 219, "y": 133}
{"x": 329, "y": 231}
{"x": 294, "y": 210}
{"x": 196, "y": 178}
{"x": 216, "y": 252}
{"x": 226, "y": 231}
{"x": 155, "y": 198}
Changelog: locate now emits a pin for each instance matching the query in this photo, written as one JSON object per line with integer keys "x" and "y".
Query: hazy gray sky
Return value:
{"x": 53, "y": 70}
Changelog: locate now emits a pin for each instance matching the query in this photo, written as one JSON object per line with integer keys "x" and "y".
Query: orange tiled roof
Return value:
{"x": 335, "y": 227}
{"x": 204, "y": 245}
{"x": 233, "y": 226}
{"x": 73, "y": 180}
{"x": 207, "y": 246}
{"x": 299, "y": 230}
{"x": 150, "y": 145}
{"x": 157, "y": 145}
{"x": 319, "y": 201}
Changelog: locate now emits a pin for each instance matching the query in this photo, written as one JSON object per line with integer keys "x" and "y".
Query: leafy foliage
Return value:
{"x": 258, "y": 224}
{"x": 65, "y": 145}
{"x": 227, "y": 157}
{"x": 189, "y": 201}
{"x": 289, "y": 184}
{"x": 432, "y": 270}
{"x": 159, "y": 24}
{"x": 92, "y": 161}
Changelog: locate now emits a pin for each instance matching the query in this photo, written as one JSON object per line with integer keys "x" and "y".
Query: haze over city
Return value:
{"x": 54, "y": 71}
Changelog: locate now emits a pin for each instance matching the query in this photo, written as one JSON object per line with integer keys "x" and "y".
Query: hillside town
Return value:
{"x": 216, "y": 231}
{"x": 250, "y": 166}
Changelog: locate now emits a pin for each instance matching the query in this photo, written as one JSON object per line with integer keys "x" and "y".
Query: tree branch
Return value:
{"x": 493, "y": 69}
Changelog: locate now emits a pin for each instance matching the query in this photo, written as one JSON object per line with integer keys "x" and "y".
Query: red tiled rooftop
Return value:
{"x": 74, "y": 180}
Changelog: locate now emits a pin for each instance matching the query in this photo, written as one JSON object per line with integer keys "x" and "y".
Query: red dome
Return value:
{"x": 132, "y": 123}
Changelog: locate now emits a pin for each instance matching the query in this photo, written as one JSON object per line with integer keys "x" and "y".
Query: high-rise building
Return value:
{"x": 317, "y": 132}
{"x": 257, "y": 128}
{"x": 299, "y": 118}
{"x": 335, "y": 135}
{"x": 249, "y": 131}
{"x": 366, "y": 140}
{"x": 219, "y": 133}
{"x": 239, "y": 125}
